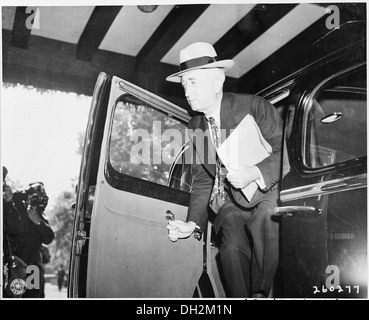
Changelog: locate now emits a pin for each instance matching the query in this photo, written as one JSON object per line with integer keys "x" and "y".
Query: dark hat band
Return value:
{"x": 196, "y": 62}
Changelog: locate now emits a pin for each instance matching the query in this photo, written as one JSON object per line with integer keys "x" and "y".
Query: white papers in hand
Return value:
{"x": 244, "y": 146}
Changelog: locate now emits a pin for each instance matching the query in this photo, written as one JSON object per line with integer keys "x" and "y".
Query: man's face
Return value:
{"x": 200, "y": 90}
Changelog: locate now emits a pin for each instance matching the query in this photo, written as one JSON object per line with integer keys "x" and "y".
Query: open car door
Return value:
{"x": 120, "y": 243}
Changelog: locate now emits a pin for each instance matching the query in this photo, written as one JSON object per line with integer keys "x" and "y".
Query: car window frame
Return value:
{"x": 124, "y": 182}
{"x": 355, "y": 165}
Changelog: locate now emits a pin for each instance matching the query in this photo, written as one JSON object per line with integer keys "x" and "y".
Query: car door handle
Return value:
{"x": 169, "y": 215}
{"x": 291, "y": 210}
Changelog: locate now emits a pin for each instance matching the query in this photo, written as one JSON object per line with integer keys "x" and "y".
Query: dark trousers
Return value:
{"x": 249, "y": 249}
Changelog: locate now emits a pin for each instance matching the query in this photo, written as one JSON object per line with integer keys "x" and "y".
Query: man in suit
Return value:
{"x": 250, "y": 236}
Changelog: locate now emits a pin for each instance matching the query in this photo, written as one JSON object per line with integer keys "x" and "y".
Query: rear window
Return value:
{"x": 335, "y": 124}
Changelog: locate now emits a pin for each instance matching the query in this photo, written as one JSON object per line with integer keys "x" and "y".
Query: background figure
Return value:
{"x": 61, "y": 276}
{"x": 31, "y": 204}
{"x": 46, "y": 257}
{"x": 11, "y": 216}
{"x": 13, "y": 267}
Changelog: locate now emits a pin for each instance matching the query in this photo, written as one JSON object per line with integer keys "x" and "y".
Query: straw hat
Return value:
{"x": 199, "y": 55}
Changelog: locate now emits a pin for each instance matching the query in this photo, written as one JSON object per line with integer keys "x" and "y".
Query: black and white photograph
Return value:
{"x": 185, "y": 155}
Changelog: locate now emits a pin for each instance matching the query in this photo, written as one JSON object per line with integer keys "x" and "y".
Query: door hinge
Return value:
{"x": 80, "y": 241}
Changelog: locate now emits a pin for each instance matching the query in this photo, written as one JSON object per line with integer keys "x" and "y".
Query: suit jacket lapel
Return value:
{"x": 205, "y": 150}
{"x": 227, "y": 120}
{"x": 227, "y": 123}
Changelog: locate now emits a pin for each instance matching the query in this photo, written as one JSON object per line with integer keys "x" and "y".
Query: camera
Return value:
{"x": 37, "y": 196}
{"x": 40, "y": 202}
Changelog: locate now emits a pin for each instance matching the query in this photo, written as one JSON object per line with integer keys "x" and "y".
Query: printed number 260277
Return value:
{"x": 346, "y": 289}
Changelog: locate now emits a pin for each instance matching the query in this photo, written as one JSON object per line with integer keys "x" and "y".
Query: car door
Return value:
{"x": 120, "y": 244}
{"x": 324, "y": 196}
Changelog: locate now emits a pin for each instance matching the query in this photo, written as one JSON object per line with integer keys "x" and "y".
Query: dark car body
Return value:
{"x": 324, "y": 233}
{"x": 120, "y": 246}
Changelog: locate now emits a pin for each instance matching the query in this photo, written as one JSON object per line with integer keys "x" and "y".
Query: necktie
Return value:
{"x": 217, "y": 196}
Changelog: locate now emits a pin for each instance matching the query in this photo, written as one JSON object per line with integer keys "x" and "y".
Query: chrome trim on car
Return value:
{"x": 324, "y": 187}
{"x": 169, "y": 108}
{"x": 289, "y": 211}
{"x": 183, "y": 149}
{"x": 79, "y": 233}
{"x": 279, "y": 93}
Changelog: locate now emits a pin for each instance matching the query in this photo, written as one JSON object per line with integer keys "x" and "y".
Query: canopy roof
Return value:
{"x": 65, "y": 47}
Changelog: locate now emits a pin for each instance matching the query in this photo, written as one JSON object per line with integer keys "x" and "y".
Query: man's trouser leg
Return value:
{"x": 235, "y": 251}
{"x": 249, "y": 249}
{"x": 264, "y": 232}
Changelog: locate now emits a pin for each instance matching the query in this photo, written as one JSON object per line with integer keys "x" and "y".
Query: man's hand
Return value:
{"x": 179, "y": 229}
{"x": 243, "y": 176}
{"x": 8, "y": 194}
{"x": 34, "y": 216}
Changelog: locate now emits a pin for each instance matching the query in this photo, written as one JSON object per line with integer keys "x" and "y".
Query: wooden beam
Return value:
{"x": 51, "y": 64}
{"x": 175, "y": 24}
{"x": 97, "y": 26}
{"x": 21, "y": 28}
{"x": 249, "y": 28}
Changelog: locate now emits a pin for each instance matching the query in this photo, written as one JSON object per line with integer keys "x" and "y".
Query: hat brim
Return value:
{"x": 223, "y": 64}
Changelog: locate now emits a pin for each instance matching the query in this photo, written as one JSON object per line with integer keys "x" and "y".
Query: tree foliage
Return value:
{"x": 61, "y": 221}
{"x": 144, "y": 141}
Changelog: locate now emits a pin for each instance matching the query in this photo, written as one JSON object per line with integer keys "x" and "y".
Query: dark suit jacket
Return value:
{"x": 234, "y": 108}
{"x": 32, "y": 236}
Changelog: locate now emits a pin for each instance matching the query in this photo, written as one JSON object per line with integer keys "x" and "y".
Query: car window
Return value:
{"x": 144, "y": 141}
{"x": 335, "y": 121}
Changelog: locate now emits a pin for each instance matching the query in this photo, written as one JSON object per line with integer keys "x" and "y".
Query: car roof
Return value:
{"x": 337, "y": 41}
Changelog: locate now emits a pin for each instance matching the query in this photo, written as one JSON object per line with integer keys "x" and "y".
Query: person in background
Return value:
{"x": 61, "y": 275}
{"x": 11, "y": 216}
{"x": 31, "y": 204}
{"x": 46, "y": 257}
{"x": 13, "y": 266}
